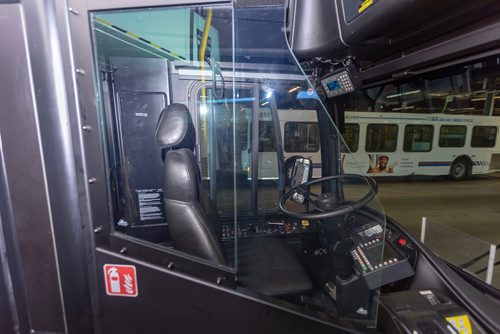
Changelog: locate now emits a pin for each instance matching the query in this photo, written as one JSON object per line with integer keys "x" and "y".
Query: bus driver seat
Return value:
{"x": 266, "y": 264}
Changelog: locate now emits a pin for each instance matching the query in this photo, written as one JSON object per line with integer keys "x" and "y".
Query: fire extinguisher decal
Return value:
{"x": 114, "y": 278}
{"x": 120, "y": 280}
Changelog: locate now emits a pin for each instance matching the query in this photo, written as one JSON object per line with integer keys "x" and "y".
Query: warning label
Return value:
{"x": 121, "y": 280}
{"x": 461, "y": 323}
{"x": 150, "y": 204}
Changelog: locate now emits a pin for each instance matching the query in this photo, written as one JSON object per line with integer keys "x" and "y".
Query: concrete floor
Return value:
{"x": 464, "y": 216}
{"x": 471, "y": 206}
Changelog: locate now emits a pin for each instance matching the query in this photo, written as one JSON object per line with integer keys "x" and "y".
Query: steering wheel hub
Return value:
{"x": 326, "y": 202}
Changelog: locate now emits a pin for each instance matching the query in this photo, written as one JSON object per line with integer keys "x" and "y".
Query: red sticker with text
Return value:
{"x": 120, "y": 280}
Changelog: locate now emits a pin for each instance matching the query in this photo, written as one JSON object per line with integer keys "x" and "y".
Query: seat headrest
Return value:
{"x": 175, "y": 128}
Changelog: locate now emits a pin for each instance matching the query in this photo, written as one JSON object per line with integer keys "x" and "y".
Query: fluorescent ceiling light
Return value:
{"x": 402, "y": 94}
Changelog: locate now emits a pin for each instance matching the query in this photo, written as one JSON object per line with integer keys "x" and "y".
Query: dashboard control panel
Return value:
{"x": 271, "y": 227}
{"x": 380, "y": 264}
{"x": 377, "y": 261}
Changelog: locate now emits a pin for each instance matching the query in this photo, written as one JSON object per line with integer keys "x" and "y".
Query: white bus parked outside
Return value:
{"x": 441, "y": 123}
{"x": 422, "y": 144}
{"x": 382, "y": 145}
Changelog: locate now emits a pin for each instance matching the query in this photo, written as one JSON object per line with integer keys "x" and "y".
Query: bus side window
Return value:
{"x": 301, "y": 137}
{"x": 418, "y": 138}
{"x": 452, "y": 136}
{"x": 484, "y": 136}
{"x": 381, "y": 137}
{"x": 351, "y": 136}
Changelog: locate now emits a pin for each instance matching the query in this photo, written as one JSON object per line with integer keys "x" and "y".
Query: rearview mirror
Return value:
{"x": 301, "y": 173}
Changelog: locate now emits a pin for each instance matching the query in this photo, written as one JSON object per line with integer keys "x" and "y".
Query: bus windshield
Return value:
{"x": 256, "y": 155}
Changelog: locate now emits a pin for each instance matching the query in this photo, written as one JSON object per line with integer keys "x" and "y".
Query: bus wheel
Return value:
{"x": 459, "y": 169}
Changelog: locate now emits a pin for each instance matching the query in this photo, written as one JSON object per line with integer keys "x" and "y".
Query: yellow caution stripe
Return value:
{"x": 137, "y": 37}
{"x": 364, "y": 5}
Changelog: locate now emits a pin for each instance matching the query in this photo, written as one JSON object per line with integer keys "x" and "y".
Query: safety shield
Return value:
{"x": 279, "y": 199}
{"x": 140, "y": 57}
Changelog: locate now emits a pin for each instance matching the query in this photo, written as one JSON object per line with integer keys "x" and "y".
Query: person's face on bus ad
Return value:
{"x": 382, "y": 163}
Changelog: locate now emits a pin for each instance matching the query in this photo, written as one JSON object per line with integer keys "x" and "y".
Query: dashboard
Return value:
{"x": 279, "y": 226}
{"x": 381, "y": 255}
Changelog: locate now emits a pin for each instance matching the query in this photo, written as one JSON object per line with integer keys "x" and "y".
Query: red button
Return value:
{"x": 402, "y": 242}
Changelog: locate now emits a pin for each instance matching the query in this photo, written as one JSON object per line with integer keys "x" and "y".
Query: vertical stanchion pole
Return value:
{"x": 422, "y": 231}
{"x": 491, "y": 264}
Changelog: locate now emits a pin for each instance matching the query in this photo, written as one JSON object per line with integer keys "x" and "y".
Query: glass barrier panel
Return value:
{"x": 134, "y": 53}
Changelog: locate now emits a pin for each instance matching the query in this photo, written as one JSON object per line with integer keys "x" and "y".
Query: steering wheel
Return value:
{"x": 318, "y": 202}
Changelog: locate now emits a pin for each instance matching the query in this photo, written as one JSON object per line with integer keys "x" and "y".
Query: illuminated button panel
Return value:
{"x": 370, "y": 257}
{"x": 337, "y": 84}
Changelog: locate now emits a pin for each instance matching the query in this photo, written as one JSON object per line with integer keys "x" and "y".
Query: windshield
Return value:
{"x": 430, "y": 131}
{"x": 220, "y": 149}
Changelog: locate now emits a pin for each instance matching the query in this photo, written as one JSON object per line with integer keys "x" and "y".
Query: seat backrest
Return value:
{"x": 193, "y": 229}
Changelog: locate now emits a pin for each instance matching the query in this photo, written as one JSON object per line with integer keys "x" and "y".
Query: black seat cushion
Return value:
{"x": 192, "y": 230}
{"x": 269, "y": 266}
